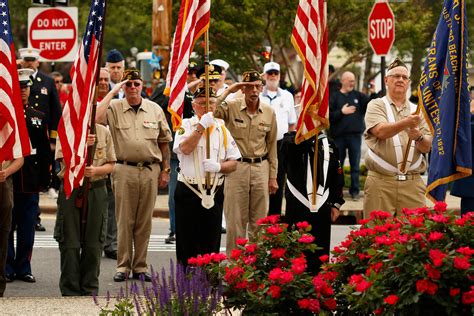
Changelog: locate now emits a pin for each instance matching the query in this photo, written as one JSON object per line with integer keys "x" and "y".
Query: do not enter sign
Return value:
{"x": 381, "y": 28}
{"x": 54, "y": 32}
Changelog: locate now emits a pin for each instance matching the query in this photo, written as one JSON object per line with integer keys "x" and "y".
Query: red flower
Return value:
{"x": 235, "y": 254}
{"x": 435, "y": 236}
{"x": 432, "y": 272}
{"x": 241, "y": 284}
{"x": 309, "y": 304}
{"x": 272, "y": 219}
{"x": 232, "y": 274}
{"x": 277, "y": 253}
{"x": 298, "y": 265}
{"x": 440, "y": 206}
{"x": 218, "y": 257}
{"x": 302, "y": 225}
{"x": 426, "y": 286}
{"x": 355, "y": 279}
{"x": 346, "y": 243}
{"x": 338, "y": 250}
{"x": 275, "y": 274}
{"x": 363, "y": 221}
{"x": 250, "y": 259}
{"x": 306, "y": 239}
{"x": 378, "y": 311}
{"x": 274, "y": 291}
{"x": 251, "y": 248}
{"x": 286, "y": 277}
{"x": 380, "y": 215}
{"x": 461, "y": 263}
{"x": 363, "y": 285}
{"x": 437, "y": 256}
{"x": 391, "y": 299}
{"x": 454, "y": 291}
{"x": 324, "y": 258}
{"x": 274, "y": 230}
{"x": 466, "y": 251}
{"x": 329, "y": 275}
{"x": 241, "y": 241}
{"x": 468, "y": 297}
{"x": 439, "y": 218}
{"x": 417, "y": 221}
{"x": 321, "y": 286}
{"x": 330, "y": 304}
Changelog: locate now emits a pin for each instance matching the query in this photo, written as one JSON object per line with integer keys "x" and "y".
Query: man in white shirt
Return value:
{"x": 282, "y": 103}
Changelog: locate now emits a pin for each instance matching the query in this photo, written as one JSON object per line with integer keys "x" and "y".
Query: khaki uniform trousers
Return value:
{"x": 135, "y": 190}
{"x": 6, "y": 205}
{"x": 245, "y": 200}
{"x": 387, "y": 194}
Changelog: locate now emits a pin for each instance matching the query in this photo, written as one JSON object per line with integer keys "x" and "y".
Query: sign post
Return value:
{"x": 54, "y": 32}
{"x": 381, "y": 32}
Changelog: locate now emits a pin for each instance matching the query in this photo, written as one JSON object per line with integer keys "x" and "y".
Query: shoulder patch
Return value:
{"x": 180, "y": 131}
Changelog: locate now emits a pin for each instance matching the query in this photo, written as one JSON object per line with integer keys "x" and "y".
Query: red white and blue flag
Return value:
{"x": 14, "y": 140}
{"x": 193, "y": 21}
{"x": 74, "y": 124}
{"x": 310, "y": 39}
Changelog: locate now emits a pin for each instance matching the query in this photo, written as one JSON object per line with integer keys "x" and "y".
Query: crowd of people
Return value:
{"x": 234, "y": 157}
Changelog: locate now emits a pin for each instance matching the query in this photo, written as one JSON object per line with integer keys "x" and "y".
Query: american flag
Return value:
{"x": 310, "y": 39}
{"x": 14, "y": 140}
{"x": 193, "y": 21}
{"x": 73, "y": 126}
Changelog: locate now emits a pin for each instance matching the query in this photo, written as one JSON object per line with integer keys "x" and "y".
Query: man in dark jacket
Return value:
{"x": 346, "y": 113}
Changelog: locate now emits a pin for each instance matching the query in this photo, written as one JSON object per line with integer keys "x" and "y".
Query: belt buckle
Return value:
{"x": 140, "y": 165}
{"x": 401, "y": 177}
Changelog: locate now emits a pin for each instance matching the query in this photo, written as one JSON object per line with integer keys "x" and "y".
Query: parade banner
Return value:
{"x": 444, "y": 98}
{"x": 193, "y": 21}
{"x": 310, "y": 39}
{"x": 14, "y": 140}
{"x": 74, "y": 123}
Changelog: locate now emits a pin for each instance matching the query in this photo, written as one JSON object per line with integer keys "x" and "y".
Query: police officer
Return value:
{"x": 80, "y": 263}
{"x": 252, "y": 123}
{"x": 33, "y": 177}
{"x": 297, "y": 161}
{"x": 199, "y": 210}
{"x": 141, "y": 136}
{"x": 44, "y": 98}
{"x": 390, "y": 124}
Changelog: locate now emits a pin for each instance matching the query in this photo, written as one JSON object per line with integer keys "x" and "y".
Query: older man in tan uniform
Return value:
{"x": 141, "y": 135}
{"x": 252, "y": 123}
{"x": 391, "y": 123}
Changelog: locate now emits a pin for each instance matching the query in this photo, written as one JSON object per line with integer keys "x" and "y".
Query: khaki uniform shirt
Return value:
{"x": 104, "y": 151}
{"x": 136, "y": 135}
{"x": 255, "y": 136}
{"x": 376, "y": 113}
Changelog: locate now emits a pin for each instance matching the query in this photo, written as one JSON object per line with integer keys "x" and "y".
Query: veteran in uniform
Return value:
{"x": 199, "y": 210}
{"x": 44, "y": 98}
{"x": 141, "y": 136}
{"x": 80, "y": 263}
{"x": 32, "y": 178}
{"x": 253, "y": 125}
{"x": 391, "y": 123}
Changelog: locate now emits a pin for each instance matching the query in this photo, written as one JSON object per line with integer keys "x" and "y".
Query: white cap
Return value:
{"x": 220, "y": 63}
{"x": 271, "y": 66}
{"x": 32, "y": 53}
{"x": 24, "y": 76}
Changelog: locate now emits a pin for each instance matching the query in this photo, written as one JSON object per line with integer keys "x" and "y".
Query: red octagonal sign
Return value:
{"x": 381, "y": 28}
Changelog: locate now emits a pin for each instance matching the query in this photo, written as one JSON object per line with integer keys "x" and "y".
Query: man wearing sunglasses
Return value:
{"x": 283, "y": 104}
{"x": 253, "y": 125}
{"x": 141, "y": 136}
{"x": 391, "y": 125}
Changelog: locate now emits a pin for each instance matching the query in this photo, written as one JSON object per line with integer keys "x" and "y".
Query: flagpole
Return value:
{"x": 206, "y": 86}
{"x": 405, "y": 155}
{"x": 91, "y": 148}
{"x": 315, "y": 171}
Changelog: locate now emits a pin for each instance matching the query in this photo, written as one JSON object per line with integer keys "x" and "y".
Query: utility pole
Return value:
{"x": 161, "y": 32}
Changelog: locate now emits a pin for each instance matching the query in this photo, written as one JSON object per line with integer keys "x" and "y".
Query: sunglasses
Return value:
{"x": 272, "y": 72}
{"x": 129, "y": 84}
{"x": 58, "y": 81}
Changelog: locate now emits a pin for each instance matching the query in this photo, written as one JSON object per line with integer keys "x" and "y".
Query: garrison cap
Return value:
{"x": 114, "y": 56}
{"x": 214, "y": 72}
{"x": 251, "y": 76}
{"x": 131, "y": 74}
{"x": 396, "y": 63}
{"x": 24, "y": 76}
{"x": 192, "y": 66}
{"x": 201, "y": 92}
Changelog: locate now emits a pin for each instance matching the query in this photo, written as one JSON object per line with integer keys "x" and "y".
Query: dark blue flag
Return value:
{"x": 444, "y": 97}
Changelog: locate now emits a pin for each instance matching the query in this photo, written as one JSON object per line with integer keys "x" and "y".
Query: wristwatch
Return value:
{"x": 167, "y": 170}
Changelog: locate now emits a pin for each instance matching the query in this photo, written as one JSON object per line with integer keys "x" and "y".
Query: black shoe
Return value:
{"x": 355, "y": 197}
{"x": 26, "y": 278}
{"x": 111, "y": 254}
{"x": 40, "y": 228}
{"x": 9, "y": 278}
{"x": 120, "y": 276}
{"x": 145, "y": 276}
{"x": 170, "y": 239}
{"x": 223, "y": 230}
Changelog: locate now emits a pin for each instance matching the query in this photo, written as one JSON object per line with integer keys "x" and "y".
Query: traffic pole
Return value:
{"x": 382, "y": 74}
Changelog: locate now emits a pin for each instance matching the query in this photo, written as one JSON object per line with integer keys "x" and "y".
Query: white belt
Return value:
{"x": 190, "y": 180}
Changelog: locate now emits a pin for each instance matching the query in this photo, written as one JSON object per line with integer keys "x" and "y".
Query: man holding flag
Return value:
{"x": 14, "y": 141}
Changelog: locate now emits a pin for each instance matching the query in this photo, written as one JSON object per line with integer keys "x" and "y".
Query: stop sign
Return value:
{"x": 381, "y": 28}
{"x": 54, "y": 32}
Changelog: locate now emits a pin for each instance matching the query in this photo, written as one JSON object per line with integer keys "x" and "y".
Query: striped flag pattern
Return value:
{"x": 14, "y": 140}
{"x": 193, "y": 21}
{"x": 310, "y": 39}
{"x": 74, "y": 123}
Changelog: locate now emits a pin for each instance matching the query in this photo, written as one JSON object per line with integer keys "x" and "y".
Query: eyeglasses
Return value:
{"x": 129, "y": 84}
{"x": 58, "y": 81}
{"x": 272, "y": 73}
{"x": 398, "y": 77}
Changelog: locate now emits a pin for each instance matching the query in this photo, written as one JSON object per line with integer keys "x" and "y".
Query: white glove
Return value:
{"x": 211, "y": 166}
{"x": 207, "y": 120}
